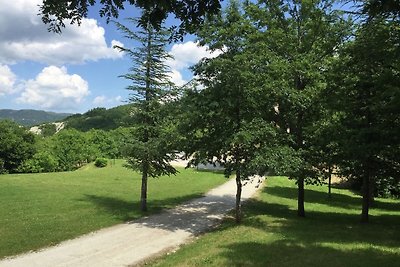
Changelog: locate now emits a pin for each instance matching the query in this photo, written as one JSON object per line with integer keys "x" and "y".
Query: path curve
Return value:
{"x": 131, "y": 243}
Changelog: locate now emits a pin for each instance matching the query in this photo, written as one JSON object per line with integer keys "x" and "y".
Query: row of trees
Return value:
{"x": 299, "y": 88}
{"x": 22, "y": 151}
{"x": 321, "y": 88}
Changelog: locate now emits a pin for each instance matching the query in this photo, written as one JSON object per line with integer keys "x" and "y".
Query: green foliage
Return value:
{"x": 100, "y": 162}
{"x": 71, "y": 149}
{"x": 40, "y": 210}
{"x": 42, "y": 161}
{"x": 16, "y": 146}
{"x": 262, "y": 93}
{"x": 148, "y": 148}
{"x": 365, "y": 87}
{"x": 190, "y": 13}
{"x": 228, "y": 121}
{"x": 379, "y": 8}
{"x": 296, "y": 41}
{"x": 104, "y": 143}
{"x": 48, "y": 129}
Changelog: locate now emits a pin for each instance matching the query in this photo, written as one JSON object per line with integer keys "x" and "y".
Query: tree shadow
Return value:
{"x": 320, "y": 227}
{"x": 118, "y": 208}
{"x": 292, "y": 253}
{"x": 337, "y": 200}
{"x": 195, "y": 216}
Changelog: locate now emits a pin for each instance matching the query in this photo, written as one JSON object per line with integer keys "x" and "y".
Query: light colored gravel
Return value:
{"x": 131, "y": 243}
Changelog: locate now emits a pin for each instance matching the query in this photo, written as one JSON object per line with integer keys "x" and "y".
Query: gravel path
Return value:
{"x": 132, "y": 243}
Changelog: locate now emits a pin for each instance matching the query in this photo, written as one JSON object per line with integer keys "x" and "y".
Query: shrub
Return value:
{"x": 101, "y": 162}
{"x": 41, "y": 162}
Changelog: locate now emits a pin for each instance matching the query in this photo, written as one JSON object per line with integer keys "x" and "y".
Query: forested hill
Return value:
{"x": 100, "y": 118}
{"x": 29, "y": 117}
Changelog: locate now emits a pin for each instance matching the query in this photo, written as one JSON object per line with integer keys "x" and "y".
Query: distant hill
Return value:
{"x": 100, "y": 118}
{"x": 30, "y": 117}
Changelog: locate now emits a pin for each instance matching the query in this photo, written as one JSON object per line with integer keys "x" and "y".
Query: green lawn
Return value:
{"x": 272, "y": 235}
{"x": 38, "y": 210}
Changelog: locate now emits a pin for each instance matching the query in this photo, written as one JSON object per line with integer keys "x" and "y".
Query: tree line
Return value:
{"x": 24, "y": 152}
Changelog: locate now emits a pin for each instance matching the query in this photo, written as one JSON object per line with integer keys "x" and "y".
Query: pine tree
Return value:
{"x": 149, "y": 151}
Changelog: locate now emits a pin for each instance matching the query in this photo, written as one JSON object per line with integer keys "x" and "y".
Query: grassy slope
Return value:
{"x": 272, "y": 235}
{"x": 38, "y": 210}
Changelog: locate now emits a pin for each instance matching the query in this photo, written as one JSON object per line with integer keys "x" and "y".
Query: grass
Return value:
{"x": 272, "y": 235}
{"x": 39, "y": 210}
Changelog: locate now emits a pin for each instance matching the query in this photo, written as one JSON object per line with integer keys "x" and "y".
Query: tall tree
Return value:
{"x": 366, "y": 89}
{"x": 223, "y": 122}
{"x": 301, "y": 38}
{"x": 149, "y": 151}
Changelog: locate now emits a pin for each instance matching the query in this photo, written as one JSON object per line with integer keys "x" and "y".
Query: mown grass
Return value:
{"x": 272, "y": 235}
{"x": 38, "y": 210}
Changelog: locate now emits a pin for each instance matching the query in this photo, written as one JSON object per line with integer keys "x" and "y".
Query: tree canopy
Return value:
{"x": 191, "y": 13}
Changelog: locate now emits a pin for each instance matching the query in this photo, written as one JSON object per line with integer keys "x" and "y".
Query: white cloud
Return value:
{"x": 53, "y": 88}
{"x": 188, "y": 54}
{"x": 176, "y": 78}
{"x": 184, "y": 56}
{"x": 7, "y": 80}
{"x": 103, "y": 100}
{"x": 99, "y": 100}
{"x": 23, "y": 36}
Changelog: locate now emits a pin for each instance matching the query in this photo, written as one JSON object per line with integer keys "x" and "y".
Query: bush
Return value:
{"x": 41, "y": 162}
{"x": 101, "y": 162}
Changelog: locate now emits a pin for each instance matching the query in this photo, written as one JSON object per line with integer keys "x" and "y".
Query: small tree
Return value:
{"x": 149, "y": 150}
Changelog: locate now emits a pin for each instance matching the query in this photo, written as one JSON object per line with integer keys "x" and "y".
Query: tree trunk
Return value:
{"x": 366, "y": 198}
{"x": 143, "y": 195}
{"x": 300, "y": 198}
{"x": 238, "y": 210}
{"x": 329, "y": 181}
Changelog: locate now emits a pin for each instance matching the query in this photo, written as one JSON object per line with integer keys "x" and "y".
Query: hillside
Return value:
{"x": 29, "y": 117}
{"x": 100, "y": 118}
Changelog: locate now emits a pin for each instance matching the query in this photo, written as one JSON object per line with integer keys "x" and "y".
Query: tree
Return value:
{"x": 71, "y": 149}
{"x": 149, "y": 150}
{"x": 103, "y": 143}
{"x": 366, "y": 89}
{"x": 379, "y": 8}
{"x": 48, "y": 129}
{"x": 222, "y": 122}
{"x": 191, "y": 13}
{"x": 16, "y": 146}
{"x": 299, "y": 39}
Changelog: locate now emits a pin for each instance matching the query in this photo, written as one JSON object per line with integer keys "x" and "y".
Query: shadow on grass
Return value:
{"x": 130, "y": 210}
{"x": 323, "y": 226}
{"x": 337, "y": 200}
{"x": 292, "y": 253}
{"x": 195, "y": 216}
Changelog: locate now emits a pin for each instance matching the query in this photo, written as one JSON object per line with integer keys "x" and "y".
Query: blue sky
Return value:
{"x": 75, "y": 71}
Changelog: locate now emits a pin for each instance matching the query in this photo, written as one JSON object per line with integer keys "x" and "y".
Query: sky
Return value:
{"x": 74, "y": 71}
